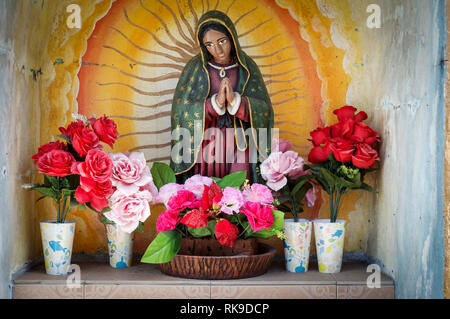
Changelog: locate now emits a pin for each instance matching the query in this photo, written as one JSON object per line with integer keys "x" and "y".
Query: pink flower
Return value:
{"x": 168, "y": 220}
{"x": 232, "y": 200}
{"x": 281, "y": 145}
{"x": 167, "y": 191}
{"x": 183, "y": 199}
{"x": 278, "y": 166}
{"x": 258, "y": 193}
{"x": 130, "y": 172}
{"x": 259, "y": 216}
{"x": 195, "y": 184}
{"x": 310, "y": 197}
{"x": 128, "y": 210}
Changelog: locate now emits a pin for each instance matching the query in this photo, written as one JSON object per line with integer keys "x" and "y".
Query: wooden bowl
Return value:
{"x": 220, "y": 267}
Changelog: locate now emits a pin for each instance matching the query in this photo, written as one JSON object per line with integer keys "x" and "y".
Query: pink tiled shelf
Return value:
{"x": 99, "y": 280}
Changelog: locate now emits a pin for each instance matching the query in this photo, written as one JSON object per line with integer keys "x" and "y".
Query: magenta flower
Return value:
{"x": 167, "y": 191}
{"x": 232, "y": 200}
{"x": 168, "y": 220}
{"x": 183, "y": 199}
{"x": 258, "y": 193}
{"x": 259, "y": 216}
{"x": 281, "y": 145}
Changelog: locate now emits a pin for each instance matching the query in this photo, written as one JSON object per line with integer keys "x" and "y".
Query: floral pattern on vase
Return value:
{"x": 57, "y": 241}
{"x": 120, "y": 246}
{"x": 329, "y": 244}
{"x": 297, "y": 244}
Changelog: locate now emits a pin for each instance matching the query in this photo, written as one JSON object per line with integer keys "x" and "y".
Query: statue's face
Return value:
{"x": 219, "y": 45}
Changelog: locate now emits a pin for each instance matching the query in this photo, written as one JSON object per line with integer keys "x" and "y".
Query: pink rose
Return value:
{"x": 105, "y": 129}
{"x": 168, "y": 220}
{"x": 278, "y": 166}
{"x": 258, "y": 193}
{"x": 195, "y": 184}
{"x": 232, "y": 200}
{"x": 259, "y": 216}
{"x": 128, "y": 210}
{"x": 130, "y": 172}
{"x": 167, "y": 191}
{"x": 56, "y": 163}
{"x": 281, "y": 145}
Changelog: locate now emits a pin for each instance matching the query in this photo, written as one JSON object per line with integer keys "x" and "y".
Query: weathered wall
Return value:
{"x": 405, "y": 69}
{"x": 447, "y": 165}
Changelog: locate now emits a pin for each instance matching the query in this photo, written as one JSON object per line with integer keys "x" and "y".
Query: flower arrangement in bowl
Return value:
{"x": 76, "y": 172}
{"x": 341, "y": 156}
{"x": 133, "y": 192}
{"x": 284, "y": 172}
{"x": 212, "y": 211}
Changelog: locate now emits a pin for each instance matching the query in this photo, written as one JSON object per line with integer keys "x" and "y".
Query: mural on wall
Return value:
{"x": 135, "y": 51}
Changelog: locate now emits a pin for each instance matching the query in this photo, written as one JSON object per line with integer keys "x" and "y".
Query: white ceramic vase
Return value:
{"x": 297, "y": 244}
{"x": 329, "y": 244}
{"x": 120, "y": 247}
{"x": 57, "y": 242}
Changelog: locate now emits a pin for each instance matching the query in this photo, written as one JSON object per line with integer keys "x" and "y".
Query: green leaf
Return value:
{"x": 368, "y": 188}
{"x": 329, "y": 178}
{"x": 235, "y": 180}
{"x": 140, "y": 227}
{"x": 46, "y": 191}
{"x": 106, "y": 221}
{"x": 65, "y": 137}
{"x": 163, "y": 248}
{"x": 278, "y": 223}
{"x": 216, "y": 179}
{"x": 301, "y": 182}
{"x": 199, "y": 232}
{"x": 162, "y": 174}
{"x": 105, "y": 210}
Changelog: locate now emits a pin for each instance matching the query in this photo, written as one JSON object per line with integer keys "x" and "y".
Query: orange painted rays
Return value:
{"x": 137, "y": 52}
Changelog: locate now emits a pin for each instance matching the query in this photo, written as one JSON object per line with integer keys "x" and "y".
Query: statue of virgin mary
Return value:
{"x": 222, "y": 102}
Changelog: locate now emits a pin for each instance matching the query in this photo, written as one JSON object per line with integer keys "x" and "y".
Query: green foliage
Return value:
{"x": 235, "y": 180}
{"x": 163, "y": 248}
{"x": 162, "y": 174}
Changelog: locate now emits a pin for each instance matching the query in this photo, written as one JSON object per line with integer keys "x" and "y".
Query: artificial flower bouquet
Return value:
{"x": 284, "y": 172}
{"x": 77, "y": 171}
{"x": 224, "y": 209}
{"x": 342, "y": 154}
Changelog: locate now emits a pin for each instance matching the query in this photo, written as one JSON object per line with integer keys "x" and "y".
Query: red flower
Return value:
{"x": 183, "y": 199}
{"x": 93, "y": 192}
{"x": 319, "y": 154}
{"x": 106, "y": 129}
{"x": 364, "y": 134}
{"x": 83, "y": 139}
{"x": 342, "y": 150}
{"x": 168, "y": 220}
{"x": 97, "y": 166}
{"x": 196, "y": 218}
{"x": 348, "y": 112}
{"x": 211, "y": 195}
{"x": 56, "y": 163}
{"x": 343, "y": 129}
{"x": 320, "y": 136}
{"x": 226, "y": 232}
{"x": 258, "y": 216}
{"x": 365, "y": 156}
{"x": 47, "y": 148}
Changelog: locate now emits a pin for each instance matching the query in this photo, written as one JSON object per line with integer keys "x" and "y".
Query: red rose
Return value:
{"x": 106, "y": 129}
{"x": 95, "y": 193}
{"x": 320, "y": 136}
{"x": 319, "y": 154}
{"x": 97, "y": 166}
{"x": 348, "y": 112}
{"x": 226, "y": 232}
{"x": 343, "y": 129}
{"x": 365, "y": 156}
{"x": 47, "y": 148}
{"x": 342, "y": 150}
{"x": 56, "y": 163}
{"x": 183, "y": 199}
{"x": 83, "y": 139}
{"x": 363, "y": 133}
{"x": 196, "y": 218}
{"x": 258, "y": 216}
